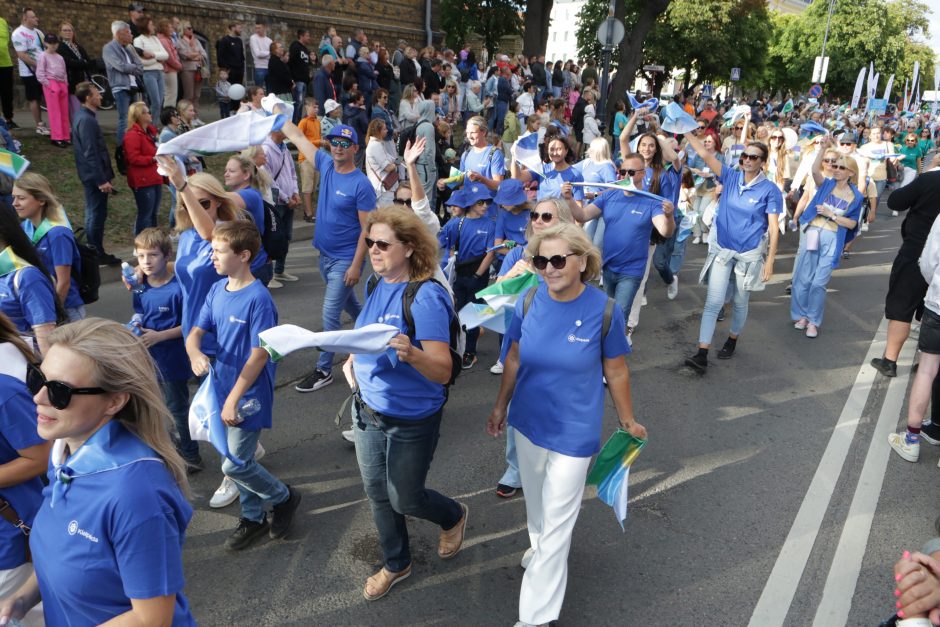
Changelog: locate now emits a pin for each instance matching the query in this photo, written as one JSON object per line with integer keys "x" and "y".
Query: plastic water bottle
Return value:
{"x": 136, "y": 324}
{"x": 248, "y": 407}
{"x": 130, "y": 275}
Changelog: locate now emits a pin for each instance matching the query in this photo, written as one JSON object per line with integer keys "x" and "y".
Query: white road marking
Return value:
{"x": 778, "y": 593}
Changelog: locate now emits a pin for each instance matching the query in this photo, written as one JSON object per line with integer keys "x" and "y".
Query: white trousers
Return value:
{"x": 10, "y": 582}
{"x": 634, "y": 319}
{"x": 553, "y": 485}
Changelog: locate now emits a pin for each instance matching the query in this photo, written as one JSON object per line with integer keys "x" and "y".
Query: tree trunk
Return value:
{"x": 535, "y": 27}
{"x": 631, "y": 48}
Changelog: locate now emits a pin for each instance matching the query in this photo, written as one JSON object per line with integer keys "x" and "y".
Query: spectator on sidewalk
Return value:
{"x": 140, "y": 150}
{"x": 280, "y": 164}
{"x": 172, "y": 66}
{"x": 230, "y": 54}
{"x": 279, "y": 79}
{"x": 78, "y": 65}
{"x": 323, "y": 88}
{"x": 193, "y": 56}
{"x": 299, "y": 64}
{"x": 51, "y": 74}
{"x": 27, "y": 41}
{"x": 6, "y": 74}
{"x": 125, "y": 72}
{"x": 153, "y": 63}
{"x": 260, "y": 45}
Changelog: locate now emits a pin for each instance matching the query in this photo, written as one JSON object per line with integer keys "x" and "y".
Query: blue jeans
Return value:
{"x": 74, "y": 314}
{"x": 465, "y": 289}
{"x": 225, "y": 109}
{"x": 719, "y": 277}
{"x": 256, "y": 486}
{"x": 122, "y": 100}
{"x": 662, "y": 257}
{"x": 499, "y": 114}
{"x": 148, "y": 205}
{"x": 153, "y": 81}
{"x": 336, "y": 299}
{"x": 285, "y": 218}
{"x": 511, "y": 476}
{"x": 595, "y": 230}
{"x": 622, "y": 288}
{"x": 96, "y": 212}
{"x": 261, "y": 78}
{"x": 176, "y": 395}
{"x": 298, "y": 93}
{"x": 394, "y": 457}
{"x": 811, "y": 273}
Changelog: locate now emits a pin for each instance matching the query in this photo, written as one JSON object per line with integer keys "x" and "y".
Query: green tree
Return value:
{"x": 490, "y": 19}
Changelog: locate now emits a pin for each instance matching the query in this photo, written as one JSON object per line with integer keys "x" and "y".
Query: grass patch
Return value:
{"x": 58, "y": 165}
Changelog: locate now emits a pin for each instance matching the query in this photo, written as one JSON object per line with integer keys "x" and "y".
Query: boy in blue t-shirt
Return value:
{"x": 160, "y": 306}
{"x": 238, "y": 310}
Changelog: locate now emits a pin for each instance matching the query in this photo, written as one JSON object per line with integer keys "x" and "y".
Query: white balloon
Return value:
{"x": 236, "y": 92}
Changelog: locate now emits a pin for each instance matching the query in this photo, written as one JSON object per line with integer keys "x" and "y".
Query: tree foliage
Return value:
{"x": 490, "y": 19}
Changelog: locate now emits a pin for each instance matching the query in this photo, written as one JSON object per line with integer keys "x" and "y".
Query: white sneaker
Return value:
{"x": 275, "y": 285}
{"x": 497, "y": 368}
{"x": 908, "y": 452}
{"x": 42, "y": 129}
{"x": 259, "y": 452}
{"x": 864, "y": 227}
{"x": 697, "y": 240}
{"x": 527, "y": 557}
{"x": 894, "y": 213}
{"x": 285, "y": 276}
{"x": 672, "y": 290}
{"x": 643, "y": 302}
{"x": 350, "y": 436}
{"x": 225, "y": 495}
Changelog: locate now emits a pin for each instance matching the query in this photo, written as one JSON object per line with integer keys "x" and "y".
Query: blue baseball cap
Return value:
{"x": 469, "y": 195}
{"x": 343, "y": 132}
{"x": 510, "y": 193}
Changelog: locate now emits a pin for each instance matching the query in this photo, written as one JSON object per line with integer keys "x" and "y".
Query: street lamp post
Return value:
{"x": 609, "y": 34}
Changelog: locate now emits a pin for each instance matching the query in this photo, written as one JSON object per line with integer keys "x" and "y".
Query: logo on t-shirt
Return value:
{"x": 574, "y": 338}
{"x": 234, "y": 319}
{"x": 162, "y": 309}
{"x": 73, "y": 529}
{"x": 387, "y": 317}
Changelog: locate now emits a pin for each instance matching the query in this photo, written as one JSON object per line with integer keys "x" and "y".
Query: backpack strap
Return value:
{"x": 527, "y": 301}
{"x": 608, "y": 316}
{"x": 457, "y": 242}
{"x": 370, "y": 285}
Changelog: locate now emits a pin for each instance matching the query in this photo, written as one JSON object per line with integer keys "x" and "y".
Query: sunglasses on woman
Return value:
{"x": 383, "y": 245}
{"x": 558, "y": 261}
{"x": 546, "y": 217}
{"x": 839, "y": 167}
{"x": 60, "y": 394}
{"x": 776, "y": 137}
{"x": 402, "y": 201}
{"x": 205, "y": 203}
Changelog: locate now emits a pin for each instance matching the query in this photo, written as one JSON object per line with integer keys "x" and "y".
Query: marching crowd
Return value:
{"x": 379, "y": 169}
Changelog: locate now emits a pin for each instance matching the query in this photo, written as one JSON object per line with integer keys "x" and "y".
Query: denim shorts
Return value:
{"x": 929, "y": 341}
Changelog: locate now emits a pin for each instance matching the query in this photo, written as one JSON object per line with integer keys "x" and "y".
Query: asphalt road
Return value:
{"x": 739, "y": 503}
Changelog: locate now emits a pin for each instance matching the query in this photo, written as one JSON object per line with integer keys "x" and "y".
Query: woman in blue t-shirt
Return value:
{"x": 48, "y": 228}
{"x": 554, "y": 378}
{"x": 24, "y": 457}
{"x": 829, "y": 220}
{"x": 107, "y": 541}
{"x": 249, "y": 184}
{"x": 556, "y": 175}
{"x": 597, "y": 167}
{"x": 400, "y": 401}
{"x": 741, "y": 245}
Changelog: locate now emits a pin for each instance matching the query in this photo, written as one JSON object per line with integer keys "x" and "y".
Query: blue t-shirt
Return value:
{"x": 31, "y": 302}
{"x": 626, "y": 239}
{"x": 550, "y": 184}
{"x": 161, "y": 308}
{"x": 254, "y": 205}
{"x": 342, "y": 197}
{"x": 489, "y": 162}
{"x": 741, "y": 219}
{"x": 114, "y": 536}
{"x": 401, "y": 391}
{"x": 237, "y": 318}
{"x": 510, "y": 260}
{"x": 17, "y": 432}
{"x": 196, "y": 275}
{"x": 593, "y": 172}
{"x": 471, "y": 236}
{"x": 670, "y": 184}
{"x": 57, "y": 248}
{"x": 559, "y": 398}
{"x": 512, "y": 226}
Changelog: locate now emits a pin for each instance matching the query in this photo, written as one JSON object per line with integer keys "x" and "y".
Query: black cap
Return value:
{"x": 51, "y": 39}
{"x": 848, "y": 138}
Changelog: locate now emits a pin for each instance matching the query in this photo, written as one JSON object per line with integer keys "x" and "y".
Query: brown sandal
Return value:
{"x": 451, "y": 540}
{"x": 382, "y": 581}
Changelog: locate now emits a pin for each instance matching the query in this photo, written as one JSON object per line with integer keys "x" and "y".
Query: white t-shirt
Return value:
{"x": 28, "y": 40}
{"x": 260, "y": 50}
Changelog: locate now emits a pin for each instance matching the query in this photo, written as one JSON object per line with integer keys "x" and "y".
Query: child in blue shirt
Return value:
{"x": 513, "y": 217}
{"x": 237, "y": 310}
{"x": 160, "y": 305}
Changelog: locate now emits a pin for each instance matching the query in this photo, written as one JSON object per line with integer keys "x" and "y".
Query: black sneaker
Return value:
{"x": 697, "y": 362}
{"x": 317, "y": 380}
{"x": 246, "y": 533}
{"x": 885, "y": 367}
{"x": 12, "y": 125}
{"x": 504, "y": 491}
{"x": 193, "y": 465}
{"x": 108, "y": 259}
{"x": 721, "y": 313}
{"x": 469, "y": 360}
{"x": 283, "y": 515}
{"x": 930, "y": 433}
{"x": 728, "y": 349}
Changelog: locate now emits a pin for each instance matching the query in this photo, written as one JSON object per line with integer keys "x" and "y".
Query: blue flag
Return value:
{"x": 205, "y": 418}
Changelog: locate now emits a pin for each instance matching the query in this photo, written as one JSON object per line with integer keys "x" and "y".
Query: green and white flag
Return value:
{"x": 500, "y": 299}
{"x": 12, "y": 164}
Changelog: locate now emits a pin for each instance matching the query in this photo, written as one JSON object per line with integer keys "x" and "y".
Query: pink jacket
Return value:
{"x": 173, "y": 63}
{"x": 50, "y": 67}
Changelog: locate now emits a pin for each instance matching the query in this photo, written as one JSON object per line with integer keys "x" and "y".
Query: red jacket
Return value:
{"x": 140, "y": 150}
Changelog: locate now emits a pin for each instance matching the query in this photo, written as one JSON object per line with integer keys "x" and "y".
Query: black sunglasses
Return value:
{"x": 558, "y": 261}
{"x": 776, "y": 137}
{"x": 839, "y": 167}
{"x": 60, "y": 394}
{"x": 630, "y": 173}
{"x": 402, "y": 201}
{"x": 750, "y": 157}
{"x": 340, "y": 143}
{"x": 830, "y": 161}
{"x": 546, "y": 217}
{"x": 383, "y": 245}
{"x": 846, "y": 143}
{"x": 205, "y": 203}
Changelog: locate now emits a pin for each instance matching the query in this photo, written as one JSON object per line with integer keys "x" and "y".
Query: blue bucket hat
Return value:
{"x": 510, "y": 193}
{"x": 469, "y": 195}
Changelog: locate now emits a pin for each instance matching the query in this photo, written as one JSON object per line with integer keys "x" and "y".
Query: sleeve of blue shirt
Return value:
{"x": 497, "y": 164}
{"x": 445, "y": 234}
{"x": 204, "y": 319}
{"x": 365, "y": 197}
{"x": 263, "y": 317}
{"x": 62, "y": 248}
{"x": 514, "y": 332}
{"x": 431, "y": 312}
{"x": 775, "y": 201}
{"x": 615, "y": 344}
{"x": 36, "y": 297}
{"x": 601, "y": 201}
{"x": 577, "y": 191}
{"x": 728, "y": 176}
{"x": 18, "y": 420}
{"x": 501, "y": 223}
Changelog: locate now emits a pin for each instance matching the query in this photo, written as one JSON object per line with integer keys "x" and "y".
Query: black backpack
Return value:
{"x": 408, "y": 135}
{"x": 274, "y": 240}
{"x": 87, "y": 276}
{"x": 120, "y": 159}
{"x": 407, "y": 298}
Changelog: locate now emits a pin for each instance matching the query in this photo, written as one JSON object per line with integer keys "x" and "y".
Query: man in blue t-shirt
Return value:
{"x": 628, "y": 219}
{"x": 346, "y": 197}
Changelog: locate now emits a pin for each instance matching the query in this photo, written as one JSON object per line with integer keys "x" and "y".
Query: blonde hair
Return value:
{"x": 577, "y": 241}
{"x": 561, "y": 210}
{"x": 408, "y": 92}
{"x": 204, "y": 181}
{"x": 477, "y": 121}
{"x": 154, "y": 238}
{"x": 412, "y": 232}
{"x": 11, "y": 335}
{"x": 850, "y": 163}
{"x": 120, "y": 363}
{"x": 135, "y": 112}
{"x": 599, "y": 150}
{"x": 39, "y": 187}
{"x": 259, "y": 178}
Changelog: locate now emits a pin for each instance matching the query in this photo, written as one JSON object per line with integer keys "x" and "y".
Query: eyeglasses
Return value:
{"x": 340, "y": 143}
{"x": 205, "y": 203}
{"x": 830, "y": 161}
{"x": 750, "y": 156}
{"x": 776, "y": 137}
{"x": 738, "y": 128}
{"x": 402, "y": 201}
{"x": 60, "y": 394}
{"x": 558, "y": 261}
{"x": 630, "y": 173}
{"x": 846, "y": 143}
{"x": 546, "y": 217}
{"x": 839, "y": 167}
{"x": 383, "y": 245}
